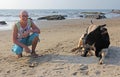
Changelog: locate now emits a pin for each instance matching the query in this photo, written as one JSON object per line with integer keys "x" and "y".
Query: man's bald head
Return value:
{"x": 24, "y": 13}
{"x": 23, "y": 16}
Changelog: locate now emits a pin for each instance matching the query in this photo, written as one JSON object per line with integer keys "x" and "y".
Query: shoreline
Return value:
{"x": 8, "y": 26}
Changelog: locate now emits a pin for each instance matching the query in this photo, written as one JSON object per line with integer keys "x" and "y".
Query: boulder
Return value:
{"x": 94, "y": 16}
{"x": 52, "y": 17}
{"x": 115, "y": 11}
{"x": 93, "y": 13}
{"x": 3, "y": 23}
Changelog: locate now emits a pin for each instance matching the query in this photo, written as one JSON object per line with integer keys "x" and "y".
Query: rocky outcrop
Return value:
{"x": 52, "y": 17}
{"x": 3, "y": 23}
{"x": 93, "y": 15}
{"x": 115, "y": 11}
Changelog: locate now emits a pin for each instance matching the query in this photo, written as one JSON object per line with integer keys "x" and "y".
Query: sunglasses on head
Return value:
{"x": 24, "y": 15}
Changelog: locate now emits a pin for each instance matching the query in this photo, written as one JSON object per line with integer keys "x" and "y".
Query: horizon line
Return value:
{"x": 60, "y": 9}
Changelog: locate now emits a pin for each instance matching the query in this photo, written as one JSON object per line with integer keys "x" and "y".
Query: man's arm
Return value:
{"x": 15, "y": 41}
{"x": 35, "y": 28}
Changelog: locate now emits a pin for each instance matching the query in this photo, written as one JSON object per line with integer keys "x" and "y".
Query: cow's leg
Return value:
{"x": 103, "y": 53}
{"x": 97, "y": 52}
{"x": 80, "y": 43}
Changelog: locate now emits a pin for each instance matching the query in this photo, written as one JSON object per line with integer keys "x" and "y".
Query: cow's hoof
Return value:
{"x": 100, "y": 61}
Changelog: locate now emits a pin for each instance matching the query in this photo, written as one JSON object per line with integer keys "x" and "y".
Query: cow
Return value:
{"x": 97, "y": 40}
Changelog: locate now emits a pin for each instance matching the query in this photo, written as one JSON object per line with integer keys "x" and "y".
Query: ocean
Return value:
{"x": 12, "y": 15}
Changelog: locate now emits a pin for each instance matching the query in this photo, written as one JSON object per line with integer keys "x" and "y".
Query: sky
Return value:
{"x": 59, "y": 4}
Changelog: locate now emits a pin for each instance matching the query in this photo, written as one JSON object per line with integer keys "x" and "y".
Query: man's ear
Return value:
{"x": 20, "y": 16}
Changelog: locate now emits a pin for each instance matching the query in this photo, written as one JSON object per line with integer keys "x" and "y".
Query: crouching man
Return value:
{"x": 25, "y": 33}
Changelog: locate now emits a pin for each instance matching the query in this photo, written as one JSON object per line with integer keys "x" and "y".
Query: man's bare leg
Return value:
{"x": 34, "y": 44}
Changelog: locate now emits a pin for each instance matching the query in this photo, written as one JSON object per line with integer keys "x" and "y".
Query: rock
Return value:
{"x": 8, "y": 71}
{"x": 94, "y": 15}
{"x": 83, "y": 67}
{"x": 97, "y": 72}
{"x": 115, "y": 11}
{"x": 3, "y": 23}
{"x": 54, "y": 12}
{"x": 33, "y": 64}
{"x": 81, "y": 16}
{"x": 52, "y": 17}
{"x": 75, "y": 73}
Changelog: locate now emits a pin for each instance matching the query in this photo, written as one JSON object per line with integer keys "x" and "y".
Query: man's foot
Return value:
{"x": 34, "y": 55}
{"x": 19, "y": 56}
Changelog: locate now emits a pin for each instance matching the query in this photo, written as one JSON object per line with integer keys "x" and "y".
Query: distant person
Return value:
{"x": 25, "y": 33}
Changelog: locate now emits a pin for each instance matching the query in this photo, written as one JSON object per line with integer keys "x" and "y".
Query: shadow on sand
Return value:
{"x": 113, "y": 57}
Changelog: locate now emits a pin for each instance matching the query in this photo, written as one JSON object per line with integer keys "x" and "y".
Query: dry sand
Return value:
{"x": 57, "y": 40}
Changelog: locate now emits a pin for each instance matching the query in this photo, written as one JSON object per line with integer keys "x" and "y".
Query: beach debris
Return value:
{"x": 97, "y": 72}
{"x": 52, "y": 17}
{"x": 8, "y": 71}
{"x": 3, "y": 23}
{"x": 34, "y": 64}
{"x": 83, "y": 67}
{"x": 75, "y": 73}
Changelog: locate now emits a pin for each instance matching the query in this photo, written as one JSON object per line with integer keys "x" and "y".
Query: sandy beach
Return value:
{"x": 57, "y": 39}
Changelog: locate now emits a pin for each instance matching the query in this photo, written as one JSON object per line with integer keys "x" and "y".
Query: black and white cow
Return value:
{"x": 99, "y": 38}
{"x": 95, "y": 39}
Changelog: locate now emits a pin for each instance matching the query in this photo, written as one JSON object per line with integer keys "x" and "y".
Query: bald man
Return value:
{"x": 25, "y": 33}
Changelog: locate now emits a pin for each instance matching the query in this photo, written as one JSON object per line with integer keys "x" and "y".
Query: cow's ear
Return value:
{"x": 103, "y": 25}
{"x": 99, "y": 27}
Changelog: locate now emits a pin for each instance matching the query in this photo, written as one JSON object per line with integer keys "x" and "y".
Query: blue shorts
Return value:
{"x": 27, "y": 41}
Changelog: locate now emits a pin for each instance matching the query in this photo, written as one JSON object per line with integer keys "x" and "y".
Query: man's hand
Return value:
{"x": 25, "y": 34}
{"x": 27, "y": 49}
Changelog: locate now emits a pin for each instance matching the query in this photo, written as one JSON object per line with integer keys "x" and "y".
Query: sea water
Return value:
{"x": 10, "y": 16}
